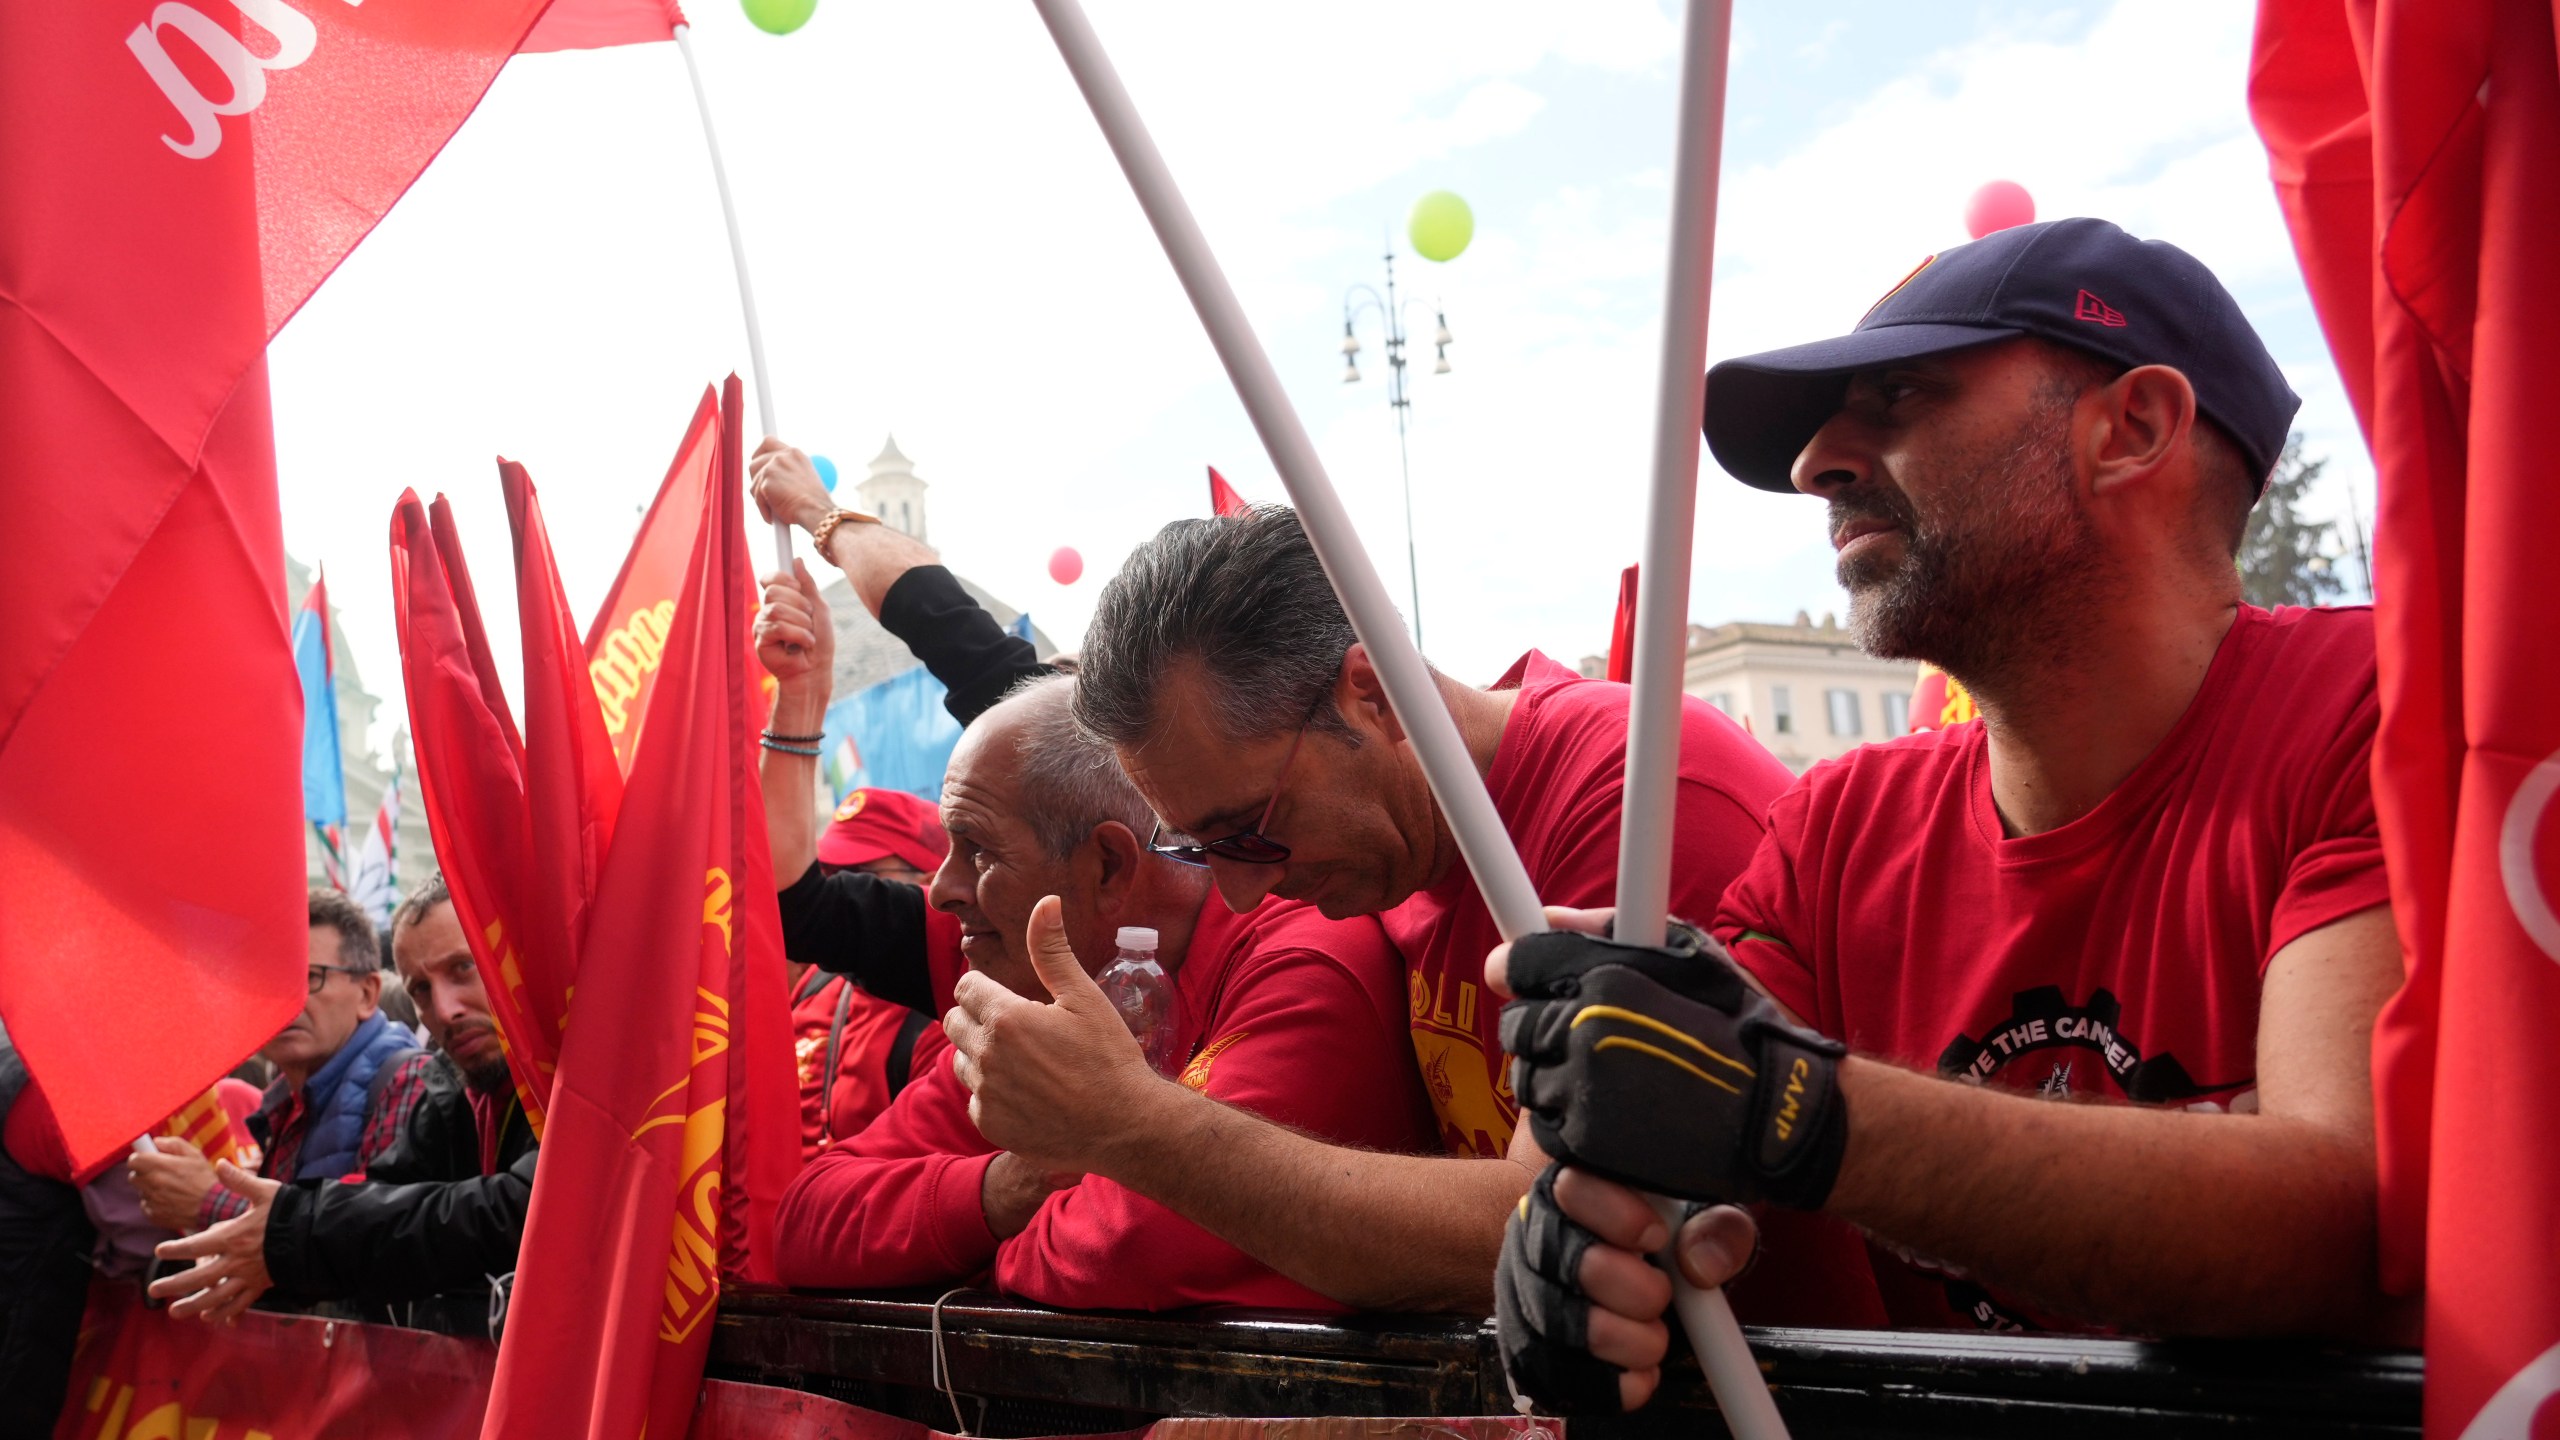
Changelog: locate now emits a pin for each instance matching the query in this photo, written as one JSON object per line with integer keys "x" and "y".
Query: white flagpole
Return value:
{"x": 1500, "y": 876}
{"x": 1662, "y": 616}
{"x": 738, "y": 256}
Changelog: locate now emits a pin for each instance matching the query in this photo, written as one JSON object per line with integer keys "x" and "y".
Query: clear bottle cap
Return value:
{"x": 1137, "y": 937}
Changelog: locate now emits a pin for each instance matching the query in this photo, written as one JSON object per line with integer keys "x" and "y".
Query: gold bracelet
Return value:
{"x": 825, "y": 529}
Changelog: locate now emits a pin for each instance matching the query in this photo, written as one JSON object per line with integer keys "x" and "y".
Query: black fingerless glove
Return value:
{"x": 1541, "y": 1314}
{"x": 1663, "y": 1069}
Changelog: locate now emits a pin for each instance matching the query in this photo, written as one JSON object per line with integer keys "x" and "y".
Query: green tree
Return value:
{"x": 2285, "y": 559}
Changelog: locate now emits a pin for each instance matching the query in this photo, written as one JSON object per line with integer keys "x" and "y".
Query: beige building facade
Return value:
{"x": 1805, "y": 689}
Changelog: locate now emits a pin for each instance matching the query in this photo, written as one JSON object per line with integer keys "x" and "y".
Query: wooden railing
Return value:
{"x": 1022, "y": 1370}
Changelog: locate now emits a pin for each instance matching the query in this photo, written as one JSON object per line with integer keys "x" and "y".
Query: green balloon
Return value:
{"x": 1441, "y": 225}
{"x": 780, "y": 17}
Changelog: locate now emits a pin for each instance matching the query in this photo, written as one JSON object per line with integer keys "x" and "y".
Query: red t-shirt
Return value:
{"x": 2118, "y": 957}
{"x": 1557, "y": 780}
{"x": 861, "y": 1089}
{"x": 1284, "y": 1013}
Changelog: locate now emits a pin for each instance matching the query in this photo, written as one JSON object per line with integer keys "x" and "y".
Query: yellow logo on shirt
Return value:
{"x": 1196, "y": 1074}
{"x": 1470, "y": 1088}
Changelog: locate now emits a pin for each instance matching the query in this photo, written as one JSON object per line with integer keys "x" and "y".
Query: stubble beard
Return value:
{"x": 1992, "y": 585}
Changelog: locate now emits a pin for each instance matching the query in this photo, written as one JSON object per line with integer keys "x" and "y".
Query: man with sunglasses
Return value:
{"x": 1224, "y": 673}
{"x": 1280, "y": 1013}
{"x": 347, "y": 1079}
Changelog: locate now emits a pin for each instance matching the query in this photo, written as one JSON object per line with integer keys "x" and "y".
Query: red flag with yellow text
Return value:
{"x": 2414, "y": 143}
{"x": 673, "y": 1111}
{"x": 1939, "y": 700}
{"x": 624, "y": 638}
{"x": 176, "y": 177}
{"x": 630, "y": 628}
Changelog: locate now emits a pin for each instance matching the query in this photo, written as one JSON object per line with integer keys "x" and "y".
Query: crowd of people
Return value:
{"x": 2149, "y": 877}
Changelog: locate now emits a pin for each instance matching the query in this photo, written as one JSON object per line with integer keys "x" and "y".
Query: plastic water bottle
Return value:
{"x": 1143, "y": 994}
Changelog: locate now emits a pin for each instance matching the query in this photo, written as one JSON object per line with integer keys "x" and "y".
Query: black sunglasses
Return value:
{"x": 1249, "y": 845}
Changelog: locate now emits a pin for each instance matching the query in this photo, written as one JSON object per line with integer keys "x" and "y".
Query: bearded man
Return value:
{"x": 2149, "y": 876}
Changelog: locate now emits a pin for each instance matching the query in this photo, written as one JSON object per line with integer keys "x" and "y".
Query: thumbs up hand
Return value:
{"x": 1054, "y": 1082}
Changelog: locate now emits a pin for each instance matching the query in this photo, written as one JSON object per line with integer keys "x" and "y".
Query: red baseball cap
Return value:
{"x": 875, "y": 824}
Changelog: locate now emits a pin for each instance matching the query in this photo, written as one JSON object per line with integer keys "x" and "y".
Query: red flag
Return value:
{"x": 1622, "y": 630}
{"x": 176, "y": 176}
{"x": 471, "y": 778}
{"x": 2414, "y": 143}
{"x": 596, "y": 24}
{"x": 1223, "y": 499}
{"x": 630, "y": 629}
{"x": 573, "y": 788}
{"x": 664, "y": 1123}
{"x": 1938, "y": 700}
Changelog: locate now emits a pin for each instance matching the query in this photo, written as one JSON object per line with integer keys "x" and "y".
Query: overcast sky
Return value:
{"x": 944, "y": 249}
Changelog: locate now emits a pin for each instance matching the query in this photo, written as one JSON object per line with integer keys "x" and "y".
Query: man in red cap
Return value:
{"x": 853, "y": 1048}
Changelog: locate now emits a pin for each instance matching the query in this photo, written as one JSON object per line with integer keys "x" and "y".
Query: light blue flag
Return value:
{"x": 324, "y": 778}
{"x": 895, "y": 735}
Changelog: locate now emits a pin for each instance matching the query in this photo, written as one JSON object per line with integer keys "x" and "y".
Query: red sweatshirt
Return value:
{"x": 1284, "y": 1013}
{"x": 862, "y": 1084}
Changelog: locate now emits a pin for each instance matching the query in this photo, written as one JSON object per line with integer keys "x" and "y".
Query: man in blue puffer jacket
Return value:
{"x": 349, "y": 1078}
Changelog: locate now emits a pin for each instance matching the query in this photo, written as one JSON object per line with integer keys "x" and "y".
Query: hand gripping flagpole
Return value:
{"x": 738, "y": 256}
{"x": 1661, "y": 638}
{"x": 1500, "y": 877}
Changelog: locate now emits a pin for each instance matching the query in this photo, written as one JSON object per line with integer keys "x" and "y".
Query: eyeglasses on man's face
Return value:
{"x": 320, "y": 975}
{"x": 1248, "y": 846}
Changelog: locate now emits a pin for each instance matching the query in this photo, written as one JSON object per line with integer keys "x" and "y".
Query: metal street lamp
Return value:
{"x": 1356, "y": 302}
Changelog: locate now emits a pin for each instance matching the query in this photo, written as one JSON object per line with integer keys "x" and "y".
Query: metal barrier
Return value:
{"x": 1020, "y": 1370}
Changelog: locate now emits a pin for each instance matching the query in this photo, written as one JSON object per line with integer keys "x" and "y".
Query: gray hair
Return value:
{"x": 1068, "y": 781}
{"x": 1242, "y": 596}
{"x": 359, "y": 949}
{"x": 431, "y": 892}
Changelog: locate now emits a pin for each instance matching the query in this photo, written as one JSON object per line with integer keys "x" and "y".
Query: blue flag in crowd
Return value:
{"x": 895, "y": 735}
{"x": 324, "y": 781}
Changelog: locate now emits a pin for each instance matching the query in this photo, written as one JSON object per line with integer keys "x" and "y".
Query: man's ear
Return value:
{"x": 371, "y": 984}
{"x": 2144, "y": 417}
{"x": 1361, "y": 694}
{"x": 1110, "y": 857}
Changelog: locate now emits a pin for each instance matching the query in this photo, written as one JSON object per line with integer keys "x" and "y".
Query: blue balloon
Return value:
{"x": 826, "y": 471}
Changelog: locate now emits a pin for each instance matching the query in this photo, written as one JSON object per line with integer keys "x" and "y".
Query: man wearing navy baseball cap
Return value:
{"x": 2149, "y": 877}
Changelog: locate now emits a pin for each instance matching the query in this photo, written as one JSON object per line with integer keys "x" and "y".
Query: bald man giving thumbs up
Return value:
{"x": 1280, "y": 1012}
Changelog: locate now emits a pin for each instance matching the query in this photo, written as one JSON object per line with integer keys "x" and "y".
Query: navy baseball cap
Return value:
{"x": 2082, "y": 283}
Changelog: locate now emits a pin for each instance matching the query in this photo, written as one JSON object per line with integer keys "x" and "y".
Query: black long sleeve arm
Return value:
{"x": 856, "y": 923}
{"x": 372, "y": 1243}
{"x": 975, "y": 658}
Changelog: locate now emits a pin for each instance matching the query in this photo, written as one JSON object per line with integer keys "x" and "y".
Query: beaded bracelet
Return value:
{"x": 811, "y": 751}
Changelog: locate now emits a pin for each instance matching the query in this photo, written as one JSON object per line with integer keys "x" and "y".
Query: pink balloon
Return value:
{"x": 1997, "y": 206}
{"x": 1065, "y": 565}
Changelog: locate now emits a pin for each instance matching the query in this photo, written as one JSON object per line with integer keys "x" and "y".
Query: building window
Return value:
{"x": 1782, "y": 710}
{"x": 1897, "y": 713}
{"x": 1843, "y": 705}
{"x": 1722, "y": 700}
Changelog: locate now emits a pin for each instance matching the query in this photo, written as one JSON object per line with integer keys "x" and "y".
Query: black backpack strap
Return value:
{"x": 835, "y": 1055}
{"x": 902, "y": 1051}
